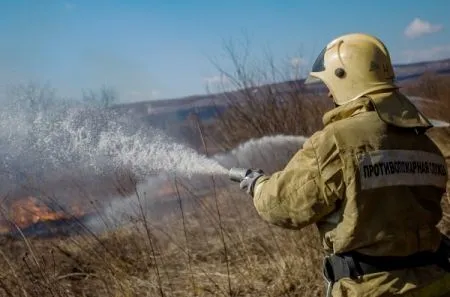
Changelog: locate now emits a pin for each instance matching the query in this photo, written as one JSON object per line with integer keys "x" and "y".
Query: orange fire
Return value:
{"x": 30, "y": 210}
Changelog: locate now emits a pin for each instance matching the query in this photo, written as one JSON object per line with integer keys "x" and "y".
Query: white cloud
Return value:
{"x": 419, "y": 27}
{"x": 432, "y": 53}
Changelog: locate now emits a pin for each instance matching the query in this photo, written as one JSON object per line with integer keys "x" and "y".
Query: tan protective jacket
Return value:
{"x": 368, "y": 185}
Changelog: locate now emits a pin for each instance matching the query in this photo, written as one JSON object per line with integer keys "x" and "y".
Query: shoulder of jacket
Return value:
{"x": 325, "y": 134}
{"x": 321, "y": 140}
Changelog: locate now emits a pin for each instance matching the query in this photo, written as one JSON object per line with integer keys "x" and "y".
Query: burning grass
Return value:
{"x": 203, "y": 245}
{"x": 194, "y": 253}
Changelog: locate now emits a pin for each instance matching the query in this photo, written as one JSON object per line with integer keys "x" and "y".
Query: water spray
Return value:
{"x": 63, "y": 147}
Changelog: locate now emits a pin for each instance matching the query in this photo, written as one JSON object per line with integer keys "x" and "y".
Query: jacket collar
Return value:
{"x": 347, "y": 110}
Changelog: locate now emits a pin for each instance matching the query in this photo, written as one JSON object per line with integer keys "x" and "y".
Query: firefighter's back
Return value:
{"x": 395, "y": 179}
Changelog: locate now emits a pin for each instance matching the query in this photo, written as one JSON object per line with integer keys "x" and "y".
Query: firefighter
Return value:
{"x": 371, "y": 181}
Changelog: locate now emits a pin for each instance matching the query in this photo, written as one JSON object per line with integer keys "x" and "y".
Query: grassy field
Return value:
{"x": 205, "y": 245}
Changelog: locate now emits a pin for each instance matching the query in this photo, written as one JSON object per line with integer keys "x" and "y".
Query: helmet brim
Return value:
{"x": 312, "y": 80}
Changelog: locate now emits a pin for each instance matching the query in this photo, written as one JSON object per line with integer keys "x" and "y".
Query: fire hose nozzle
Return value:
{"x": 238, "y": 174}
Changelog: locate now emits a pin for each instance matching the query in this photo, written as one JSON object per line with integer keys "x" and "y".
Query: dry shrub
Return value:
{"x": 434, "y": 88}
{"x": 268, "y": 111}
{"x": 263, "y": 98}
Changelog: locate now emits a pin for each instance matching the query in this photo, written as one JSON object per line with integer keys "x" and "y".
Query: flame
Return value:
{"x": 30, "y": 210}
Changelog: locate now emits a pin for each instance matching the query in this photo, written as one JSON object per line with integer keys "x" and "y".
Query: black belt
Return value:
{"x": 354, "y": 265}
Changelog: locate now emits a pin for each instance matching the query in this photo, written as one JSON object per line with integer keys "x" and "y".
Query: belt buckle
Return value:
{"x": 327, "y": 269}
{"x": 326, "y": 275}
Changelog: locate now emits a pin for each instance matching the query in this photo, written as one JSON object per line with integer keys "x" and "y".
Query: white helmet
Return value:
{"x": 359, "y": 65}
{"x": 352, "y": 66}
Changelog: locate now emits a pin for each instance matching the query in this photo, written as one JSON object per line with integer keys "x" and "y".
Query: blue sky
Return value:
{"x": 162, "y": 49}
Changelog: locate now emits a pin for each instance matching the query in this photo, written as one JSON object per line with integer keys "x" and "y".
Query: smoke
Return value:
{"x": 268, "y": 153}
{"x": 121, "y": 211}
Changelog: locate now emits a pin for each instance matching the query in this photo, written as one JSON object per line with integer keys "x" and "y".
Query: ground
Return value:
{"x": 211, "y": 244}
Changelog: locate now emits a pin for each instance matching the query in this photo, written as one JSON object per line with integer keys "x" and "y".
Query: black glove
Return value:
{"x": 248, "y": 183}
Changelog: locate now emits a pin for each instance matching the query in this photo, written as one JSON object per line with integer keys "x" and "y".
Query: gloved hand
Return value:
{"x": 248, "y": 183}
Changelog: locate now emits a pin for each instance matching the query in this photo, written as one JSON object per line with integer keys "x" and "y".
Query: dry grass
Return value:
{"x": 181, "y": 255}
{"x": 207, "y": 246}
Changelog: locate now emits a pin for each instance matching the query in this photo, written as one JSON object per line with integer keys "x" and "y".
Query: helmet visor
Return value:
{"x": 318, "y": 66}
